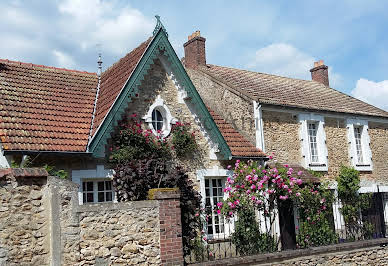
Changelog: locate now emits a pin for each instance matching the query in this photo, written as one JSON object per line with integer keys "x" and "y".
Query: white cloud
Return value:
{"x": 282, "y": 59}
{"x": 63, "y": 60}
{"x": 117, "y": 29}
{"x": 286, "y": 60}
{"x": 375, "y": 93}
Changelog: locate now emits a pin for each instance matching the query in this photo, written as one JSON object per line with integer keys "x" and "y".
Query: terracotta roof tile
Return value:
{"x": 113, "y": 81}
{"x": 239, "y": 146}
{"x": 45, "y": 108}
{"x": 271, "y": 89}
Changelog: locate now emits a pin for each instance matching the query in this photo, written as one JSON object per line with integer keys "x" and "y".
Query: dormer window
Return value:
{"x": 159, "y": 118}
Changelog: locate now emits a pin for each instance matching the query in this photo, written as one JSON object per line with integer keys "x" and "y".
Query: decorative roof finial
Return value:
{"x": 159, "y": 26}
{"x": 99, "y": 62}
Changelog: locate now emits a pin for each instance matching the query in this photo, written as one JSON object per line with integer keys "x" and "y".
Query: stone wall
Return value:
{"x": 41, "y": 223}
{"x": 24, "y": 227}
{"x": 367, "y": 256}
{"x": 126, "y": 233}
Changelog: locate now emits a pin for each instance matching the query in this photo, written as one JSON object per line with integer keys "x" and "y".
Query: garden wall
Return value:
{"x": 41, "y": 223}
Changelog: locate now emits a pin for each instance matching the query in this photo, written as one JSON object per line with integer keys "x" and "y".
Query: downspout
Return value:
{"x": 258, "y": 116}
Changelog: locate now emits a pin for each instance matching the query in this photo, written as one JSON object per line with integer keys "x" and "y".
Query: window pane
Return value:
{"x": 312, "y": 137}
{"x": 89, "y": 197}
{"x": 206, "y": 182}
{"x": 157, "y": 120}
{"x": 108, "y": 185}
{"x": 84, "y": 197}
{"x": 100, "y": 186}
{"x": 89, "y": 186}
{"x": 219, "y": 182}
{"x": 101, "y": 197}
{"x": 108, "y": 196}
{"x": 214, "y": 182}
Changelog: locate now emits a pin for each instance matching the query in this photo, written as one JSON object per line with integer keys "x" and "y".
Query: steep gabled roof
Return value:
{"x": 276, "y": 90}
{"x": 45, "y": 108}
{"x": 113, "y": 81}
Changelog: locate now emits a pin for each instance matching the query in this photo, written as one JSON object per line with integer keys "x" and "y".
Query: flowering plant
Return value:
{"x": 255, "y": 187}
{"x": 183, "y": 140}
{"x": 260, "y": 188}
{"x": 132, "y": 141}
{"x": 316, "y": 223}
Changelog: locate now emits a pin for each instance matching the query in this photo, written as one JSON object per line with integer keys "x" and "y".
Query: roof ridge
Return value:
{"x": 268, "y": 74}
{"x": 44, "y": 66}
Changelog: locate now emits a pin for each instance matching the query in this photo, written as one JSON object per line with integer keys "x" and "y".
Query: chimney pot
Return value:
{"x": 320, "y": 73}
{"x": 195, "y": 50}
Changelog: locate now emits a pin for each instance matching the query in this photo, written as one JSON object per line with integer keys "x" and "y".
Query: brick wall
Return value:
{"x": 171, "y": 249}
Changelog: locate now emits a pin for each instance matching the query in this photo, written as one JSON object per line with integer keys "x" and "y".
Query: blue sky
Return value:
{"x": 279, "y": 37}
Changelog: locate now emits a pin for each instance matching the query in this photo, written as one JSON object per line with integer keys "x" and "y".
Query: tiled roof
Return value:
{"x": 271, "y": 89}
{"x": 239, "y": 146}
{"x": 45, "y": 108}
{"x": 113, "y": 81}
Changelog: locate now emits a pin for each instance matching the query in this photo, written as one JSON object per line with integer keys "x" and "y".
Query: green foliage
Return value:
{"x": 51, "y": 170}
{"x": 248, "y": 237}
{"x": 182, "y": 140}
{"x": 142, "y": 161}
{"x": 316, "y": 226}
{"x": 353, "y": 203}
{"x": 132, "y": 142}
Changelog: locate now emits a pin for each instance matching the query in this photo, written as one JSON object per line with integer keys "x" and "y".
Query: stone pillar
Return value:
{"x": 171, "y": 248}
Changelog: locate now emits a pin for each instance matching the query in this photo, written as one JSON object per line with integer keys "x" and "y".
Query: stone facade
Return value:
{"x": 281, "y": 135}
{"x": 234, "y": 107}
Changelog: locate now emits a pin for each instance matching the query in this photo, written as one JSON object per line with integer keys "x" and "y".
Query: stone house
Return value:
{"x": 66, "y": 118}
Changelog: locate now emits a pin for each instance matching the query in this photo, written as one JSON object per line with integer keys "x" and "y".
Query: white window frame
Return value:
{"x": 95, "y": 190}
{"x": 97, "y": 174}
{"x": 367, "y": 164}
{"x": 168, "y": 119}
{"x": 322, "y": 164}
{"x": 215, "y": 173}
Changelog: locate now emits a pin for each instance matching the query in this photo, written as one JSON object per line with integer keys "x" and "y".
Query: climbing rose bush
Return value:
{"x": 264, "y": 189}
{"x": 260, "y": 188}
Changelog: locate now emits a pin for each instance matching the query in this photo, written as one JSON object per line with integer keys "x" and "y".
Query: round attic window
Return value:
{"x": 159, "y": 118}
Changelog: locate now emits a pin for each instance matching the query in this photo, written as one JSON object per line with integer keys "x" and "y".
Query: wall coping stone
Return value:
{"x": 291, "y": 254}
{"x": 130, "y": 205}
{"x": 23, "y": 172}
{"x": 164, "y": 193}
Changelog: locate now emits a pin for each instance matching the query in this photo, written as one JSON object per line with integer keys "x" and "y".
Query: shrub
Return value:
{"x": 353, "y": 203}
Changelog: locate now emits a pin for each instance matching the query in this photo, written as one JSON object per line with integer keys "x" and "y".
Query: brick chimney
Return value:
{"x": 320, "y": 73}
{"x": 195, "y": 50}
